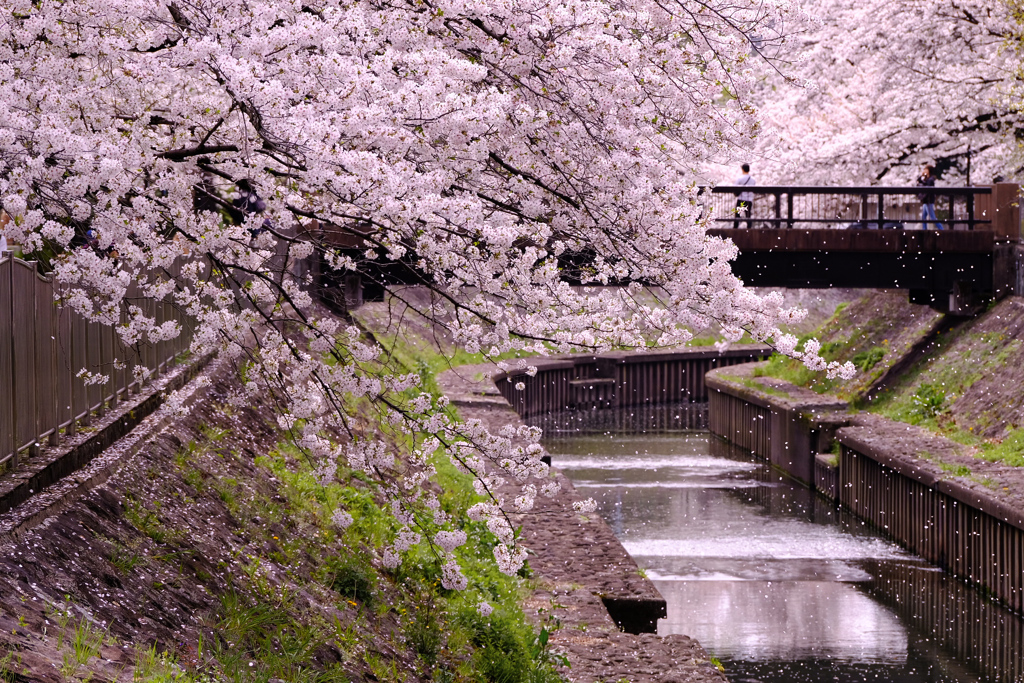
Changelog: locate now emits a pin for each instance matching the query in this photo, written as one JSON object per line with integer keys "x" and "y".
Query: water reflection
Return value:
{"x": 771, "y": 579}
{"x": 633, "y": 420}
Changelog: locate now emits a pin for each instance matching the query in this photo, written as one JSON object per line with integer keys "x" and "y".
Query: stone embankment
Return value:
{"x": 927, "y": 492}
{"x": 586, "y": 579}
{"x": 64, "y": 463}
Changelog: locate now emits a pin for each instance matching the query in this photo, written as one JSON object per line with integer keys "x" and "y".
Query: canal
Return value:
{"x": 773, "y": 581}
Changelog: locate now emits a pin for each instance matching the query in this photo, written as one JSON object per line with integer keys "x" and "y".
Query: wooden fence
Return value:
{"x": 43, "y": 347}
{"x": 618, "y": 379}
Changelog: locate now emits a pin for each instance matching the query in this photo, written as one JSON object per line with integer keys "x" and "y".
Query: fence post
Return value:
{"x": 8, "y": 437}
{"x": 45, "y": 373}
{"x": 66, "y": 340}
{"x": 58, "y": 396}
{"x": 1006, "y": 212}
{"x": 23, "y": 334}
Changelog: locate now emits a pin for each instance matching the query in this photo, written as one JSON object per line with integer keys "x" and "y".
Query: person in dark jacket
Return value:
{"x": 927, "y": 179}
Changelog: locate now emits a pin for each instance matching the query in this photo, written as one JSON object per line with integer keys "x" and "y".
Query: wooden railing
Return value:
{"x": 992, "y": 208}
{"x": 43, "y": 348}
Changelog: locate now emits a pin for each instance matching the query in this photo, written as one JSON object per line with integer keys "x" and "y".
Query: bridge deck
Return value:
{"x": 874, "y": 241}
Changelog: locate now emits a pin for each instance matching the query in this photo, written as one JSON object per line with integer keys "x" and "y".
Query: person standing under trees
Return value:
{"x": 927, "y": 179}
{"x": 745, "y": 200}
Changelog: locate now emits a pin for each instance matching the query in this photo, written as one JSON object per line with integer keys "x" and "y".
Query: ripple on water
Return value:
{"x": 813, "y": 543}
{"x": 706, "y": 465}
{"x": 766, "y": 580}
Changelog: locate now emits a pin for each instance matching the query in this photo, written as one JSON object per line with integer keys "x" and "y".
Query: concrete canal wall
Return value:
{"x": 618, "y": 380}
{"x": 893, "y": 475}
{"x": 887, "y": 473}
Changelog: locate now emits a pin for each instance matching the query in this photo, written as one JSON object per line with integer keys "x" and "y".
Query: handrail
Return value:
{"x": 858, "y": 206}
{"x": 856, "y": 189}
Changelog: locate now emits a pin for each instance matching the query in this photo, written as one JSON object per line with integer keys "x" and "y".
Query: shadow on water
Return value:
{"x": 772, "y": 579}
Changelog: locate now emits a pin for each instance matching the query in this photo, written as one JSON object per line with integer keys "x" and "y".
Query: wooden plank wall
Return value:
{"x": 930, "y": 518}
{"x": 639, "y": 379}
{"x": 43, "y": 347}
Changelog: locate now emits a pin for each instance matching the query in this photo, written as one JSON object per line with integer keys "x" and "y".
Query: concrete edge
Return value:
{"x": 950, "y": 487}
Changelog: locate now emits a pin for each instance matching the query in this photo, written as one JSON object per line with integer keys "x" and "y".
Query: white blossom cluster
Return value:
{"x": 585, "y": 506}
{"x": 448, "y": 541}
{"x": 191, "y": 153}
{"x": 877, "y": 88}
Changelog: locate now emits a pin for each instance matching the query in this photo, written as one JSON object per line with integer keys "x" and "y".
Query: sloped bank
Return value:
{"x": 586, "y": 579}
{"x": 925, "y": 491}
{"x": 210, "y": 554}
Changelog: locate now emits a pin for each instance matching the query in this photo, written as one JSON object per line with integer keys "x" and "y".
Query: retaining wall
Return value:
{"x": 957, "y": 617}
{"x": 786, "y": 426}
{"x": 616, "y": 380}
{"x": 964, "y": 529}
{"x": 973, "y": 536}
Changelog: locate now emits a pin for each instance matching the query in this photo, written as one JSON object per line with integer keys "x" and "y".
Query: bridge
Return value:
{"x": 862, "y": 237}
{"x": 872, "y": 237}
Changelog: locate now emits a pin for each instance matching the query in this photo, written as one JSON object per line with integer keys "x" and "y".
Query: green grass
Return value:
{"x": 862, "y": 333}
{"x": 926, "y": 394}
{"x": 868, "y": 359}
{"x": 260, "y": 640}
{"x": 308, "y": 601}
{"x": 442, "y": 627}
{"x": 756, "y": 386}
{"x": 10, "y": 668}
{"x": 145, "y": 520}
{"x": 955, "y": 470}
{"x": 125, "y": 558}
{"x": 152, "y": 666}
{"x": 351, "y": 579}
{"x": 1009, "y": 451}
{"x": 796, "y": 373}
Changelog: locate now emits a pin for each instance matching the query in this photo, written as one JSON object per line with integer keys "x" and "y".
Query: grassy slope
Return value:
{"x": 277, "y": 591}
{"x": 873, "y": 332}
{"x": 965, "y": 387}
{"x": 968, "y": 386}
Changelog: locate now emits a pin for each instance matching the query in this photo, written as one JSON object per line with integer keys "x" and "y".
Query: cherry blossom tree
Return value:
{"x": 194, "y": 152}
{"x": 870, "y": 90}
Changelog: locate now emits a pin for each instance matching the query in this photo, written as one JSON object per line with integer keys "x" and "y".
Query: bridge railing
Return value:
{"x": 43, "y": 349}
{"x": 781, "y": 206}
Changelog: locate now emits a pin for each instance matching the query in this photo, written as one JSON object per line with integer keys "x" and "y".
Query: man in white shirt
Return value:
{"x": 4, "y": 218}
{"x": 744, "y": 200}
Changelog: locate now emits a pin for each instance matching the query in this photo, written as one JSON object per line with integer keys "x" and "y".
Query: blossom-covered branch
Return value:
{"x": 196, "y": 150}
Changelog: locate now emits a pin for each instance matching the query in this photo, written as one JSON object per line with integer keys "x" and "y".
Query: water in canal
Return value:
{"x": 773, "y": 581}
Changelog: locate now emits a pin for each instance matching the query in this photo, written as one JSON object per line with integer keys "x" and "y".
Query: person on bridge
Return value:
{"x": 927, "y": 179}
{"x": 744, "y": 200}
